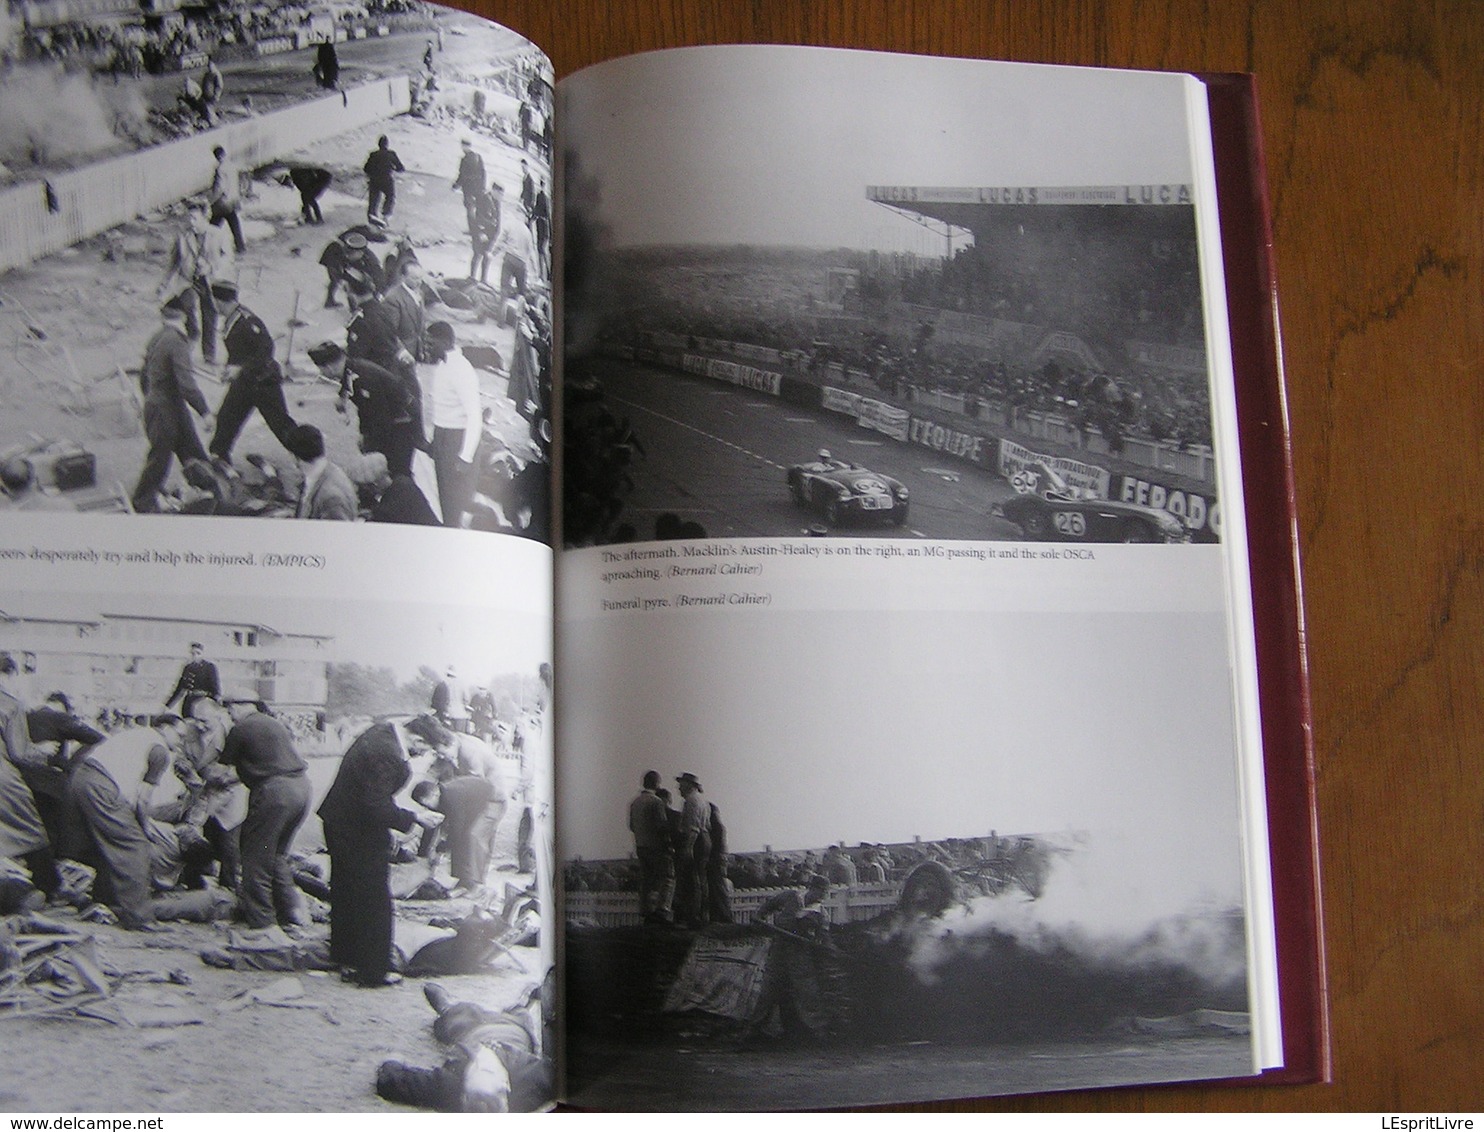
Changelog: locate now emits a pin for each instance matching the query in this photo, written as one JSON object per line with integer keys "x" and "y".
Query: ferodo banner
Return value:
{"x": 735, "y": 373}
{"x": 970, "y": 446}
{"x": 1089, "y": 479}
{"x": 1200, "y": 514}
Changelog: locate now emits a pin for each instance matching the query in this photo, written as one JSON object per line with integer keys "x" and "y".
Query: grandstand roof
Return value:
{"x": 971, "y": 206}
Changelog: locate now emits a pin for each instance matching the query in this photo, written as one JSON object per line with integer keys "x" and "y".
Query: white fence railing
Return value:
{"x": 84, "y": 202}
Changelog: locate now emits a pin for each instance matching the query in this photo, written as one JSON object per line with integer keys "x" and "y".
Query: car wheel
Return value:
{"x": 1034, "y": 525}
{"x": 899, "y": 517}
{"x": 1137, "y": 532}
{"x": 832, "y": 512}
{"x": 796, "y": 488}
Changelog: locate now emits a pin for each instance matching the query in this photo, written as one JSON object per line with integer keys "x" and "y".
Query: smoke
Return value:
{"x": 585, "y": 236}
{"x": 53, "y": 118}
{"x": 1103, "y": 910}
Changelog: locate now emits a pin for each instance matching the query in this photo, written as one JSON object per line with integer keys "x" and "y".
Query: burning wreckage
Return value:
{"x": 985, "y": 952}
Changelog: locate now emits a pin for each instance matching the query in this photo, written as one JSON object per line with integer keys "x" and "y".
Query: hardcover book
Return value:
{"x": 852, "y": 653}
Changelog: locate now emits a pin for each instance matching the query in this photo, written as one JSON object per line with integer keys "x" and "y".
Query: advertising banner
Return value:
{"x": 734, "y": 373}
{"x": 970, "y": 446}
{"x": 1201, "y": 514}
{"x": 884, "y": 418}
{"x": 1020, "y": 466}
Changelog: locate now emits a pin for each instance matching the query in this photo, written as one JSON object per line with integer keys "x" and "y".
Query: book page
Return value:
{"x": 276, "y": 600}
{"x": 898, "y": 457}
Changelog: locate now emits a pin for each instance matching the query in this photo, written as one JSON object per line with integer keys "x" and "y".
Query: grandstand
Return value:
{"x": 1070, "y": 294}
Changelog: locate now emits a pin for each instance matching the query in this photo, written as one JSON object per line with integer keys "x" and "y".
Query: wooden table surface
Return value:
{"x": 1371, "y": 118}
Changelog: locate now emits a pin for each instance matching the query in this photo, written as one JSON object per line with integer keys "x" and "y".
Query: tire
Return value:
{"x": 899, "y": 517}
{"x": 1034, "y": 525}
{"x": 796, "y": 488}
{"x": 1137, "y": 532}
{"x": 832, "y": 512}
{"x": 928, "y": 891}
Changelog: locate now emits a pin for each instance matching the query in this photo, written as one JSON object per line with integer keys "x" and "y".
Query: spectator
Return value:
{"x": 327, "y": 492}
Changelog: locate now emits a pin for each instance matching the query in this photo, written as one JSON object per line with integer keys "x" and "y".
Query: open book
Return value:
{"x": 884, "y": 454}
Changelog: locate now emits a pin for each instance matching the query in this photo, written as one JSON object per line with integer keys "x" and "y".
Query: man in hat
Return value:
{"x": 372, "y": 334}
{"x": 198, "y": 257}
{"x": 170, "y": 390}
{"x": 388, "y": 410}
{"x": 470, "y": 179}
{"x": 450, "y": 702}
{"x": 311, "y": 181}
{"x": 254, "y": 379}
{"x": 198, "y": 678}
{"x": 484, "y": 230}
{"x": 691, "y": 856}
{"x": 349, "y": 259}
{"x": 327, "y": 492}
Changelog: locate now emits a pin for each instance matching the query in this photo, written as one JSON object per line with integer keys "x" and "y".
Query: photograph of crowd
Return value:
{"x": 894, "y": 855}
{"x": 331, "y": 297}
{"x": 989, "y": 345}
{"x": 204, "y": 818}
{"x": 884, "y": 967}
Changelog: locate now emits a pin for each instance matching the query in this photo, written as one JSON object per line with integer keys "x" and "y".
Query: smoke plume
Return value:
{"x": 57, "y": 119}
{"x": 1104, "y": 909}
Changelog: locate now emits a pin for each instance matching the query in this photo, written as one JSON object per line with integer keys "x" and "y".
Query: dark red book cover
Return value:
{"x": 1272, "y": 532}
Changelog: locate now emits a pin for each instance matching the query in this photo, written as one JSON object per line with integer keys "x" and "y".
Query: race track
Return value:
{"x": 718, "y": 455}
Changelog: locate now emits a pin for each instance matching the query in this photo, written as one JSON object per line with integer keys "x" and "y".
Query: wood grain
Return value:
{"x": 1371, "y": 121}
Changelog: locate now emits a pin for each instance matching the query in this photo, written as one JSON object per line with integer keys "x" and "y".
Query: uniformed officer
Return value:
{"x": 254, "y": 378}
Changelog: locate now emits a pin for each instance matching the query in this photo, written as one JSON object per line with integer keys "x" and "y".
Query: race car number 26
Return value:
{"x": 1070, "y": 523}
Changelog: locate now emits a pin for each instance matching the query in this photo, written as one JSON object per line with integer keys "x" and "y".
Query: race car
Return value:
{"x": 846, "y": 492}
{"x": 1049, "y": 509}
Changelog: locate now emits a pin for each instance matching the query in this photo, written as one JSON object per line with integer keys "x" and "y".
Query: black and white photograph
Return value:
{"x": 854, "y": 303}
{"x": 275, "y": 856}
{"x": 866, "y": 858}
{"x": 288, "y": 260}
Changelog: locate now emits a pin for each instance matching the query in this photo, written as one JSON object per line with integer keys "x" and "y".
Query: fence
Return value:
{"x": 843, "y": 905}
{"x": 84, "y": 202}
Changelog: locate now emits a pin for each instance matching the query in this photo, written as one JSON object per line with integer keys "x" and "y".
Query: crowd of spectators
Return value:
{"x": 133, "y": 49}
{"x": 898, "y": 354}
{"x": 841, "y": 865}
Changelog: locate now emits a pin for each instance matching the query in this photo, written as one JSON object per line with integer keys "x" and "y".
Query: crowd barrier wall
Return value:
{"x": 1166, "y": 464}
{"x": 85, "y": 202}
{"x": 1195, "y": 463}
